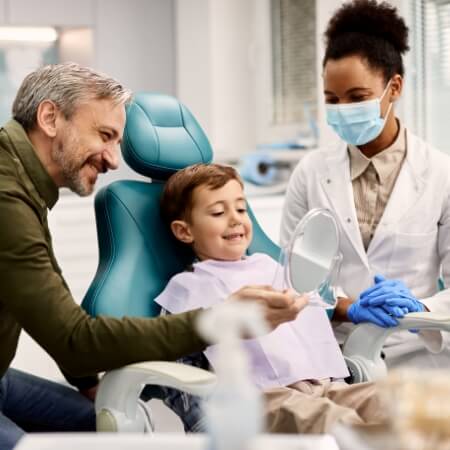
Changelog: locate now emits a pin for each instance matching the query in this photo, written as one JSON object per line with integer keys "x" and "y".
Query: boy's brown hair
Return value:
{"x": 177, "y": 198}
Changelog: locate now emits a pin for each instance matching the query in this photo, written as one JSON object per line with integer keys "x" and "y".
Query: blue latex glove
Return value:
{"x": 383, "y": 289}
{"x": 395, "y": 311}
{"x": 392, "y": 293}
{"x": 358, "y": 313}
{"x": 411, "y": 304}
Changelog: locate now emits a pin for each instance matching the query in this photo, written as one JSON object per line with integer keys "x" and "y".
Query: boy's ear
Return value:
{"x": 182, "y": 232}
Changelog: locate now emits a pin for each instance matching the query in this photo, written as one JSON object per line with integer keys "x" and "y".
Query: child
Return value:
{"x": 295, "y": 364}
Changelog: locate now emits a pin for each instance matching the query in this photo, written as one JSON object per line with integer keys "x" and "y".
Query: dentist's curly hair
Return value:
{"x": 369, "y": 29}
{"x": 177, "y": 199}
{"x": 67, "y": 85}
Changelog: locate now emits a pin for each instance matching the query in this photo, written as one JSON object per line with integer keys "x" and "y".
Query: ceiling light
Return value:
{"x": 28, "y": 34}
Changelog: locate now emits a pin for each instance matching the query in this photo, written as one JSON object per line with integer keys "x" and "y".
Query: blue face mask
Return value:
{"x": 357, "y": 123}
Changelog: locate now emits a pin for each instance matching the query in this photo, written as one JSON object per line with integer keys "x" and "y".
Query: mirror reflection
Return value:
{"x": 312, "y": 259}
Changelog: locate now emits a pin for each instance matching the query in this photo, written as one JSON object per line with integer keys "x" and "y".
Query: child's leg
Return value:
{"x": 304, "y": 408}
{"x": 364, "y": 398}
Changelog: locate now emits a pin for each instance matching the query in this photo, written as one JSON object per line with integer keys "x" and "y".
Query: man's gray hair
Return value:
{"x": 67, "y": 85}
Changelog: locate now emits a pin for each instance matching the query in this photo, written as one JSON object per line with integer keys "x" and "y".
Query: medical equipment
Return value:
{"x": 235, "y": 399}
{"x": 363, "y": 346}
{"x": 311, "y": 261}
{"x": 262, "y": 169}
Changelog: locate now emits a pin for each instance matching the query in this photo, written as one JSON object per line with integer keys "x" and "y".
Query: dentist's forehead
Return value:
{"x": 344, "y": 74}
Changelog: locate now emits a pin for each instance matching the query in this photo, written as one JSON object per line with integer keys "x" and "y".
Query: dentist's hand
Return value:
{"x": 391, "y": 295}
{"x": 279, "y": 307}
{"x": 384, "y": 287}
{"x": 358, "y": 313}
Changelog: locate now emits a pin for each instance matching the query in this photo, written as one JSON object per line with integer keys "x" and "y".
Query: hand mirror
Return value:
{"x": 312, "y": 260}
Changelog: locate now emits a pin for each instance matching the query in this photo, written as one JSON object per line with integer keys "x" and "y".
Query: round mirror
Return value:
{"x": 312, "y": 259}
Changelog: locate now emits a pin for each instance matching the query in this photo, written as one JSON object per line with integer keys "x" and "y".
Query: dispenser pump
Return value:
{"x": 234, "y": 411}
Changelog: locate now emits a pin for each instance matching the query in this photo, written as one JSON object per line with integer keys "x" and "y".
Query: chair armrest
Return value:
{"x": 116, "y": 402}
{"x": 364, "y": 344}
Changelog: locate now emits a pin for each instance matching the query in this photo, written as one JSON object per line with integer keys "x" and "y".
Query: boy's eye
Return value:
{"x": 217, "y": 213}
{"x": 242, "y": 210}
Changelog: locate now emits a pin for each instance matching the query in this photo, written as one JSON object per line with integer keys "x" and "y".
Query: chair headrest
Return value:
{"x": 162, "y": 136}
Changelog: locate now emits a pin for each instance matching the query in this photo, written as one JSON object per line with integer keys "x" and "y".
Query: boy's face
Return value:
{"x": 219, "y": 227}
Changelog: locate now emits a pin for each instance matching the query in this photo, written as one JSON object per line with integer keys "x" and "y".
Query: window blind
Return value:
{"x": 293, "y": 60}
{"x": 428, "y": 71}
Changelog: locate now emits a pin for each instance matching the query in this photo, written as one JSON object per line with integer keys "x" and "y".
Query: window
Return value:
{"x": 22, "y": 49}
{"x": 428, "y": 71}
{"x": 294, "y": 76}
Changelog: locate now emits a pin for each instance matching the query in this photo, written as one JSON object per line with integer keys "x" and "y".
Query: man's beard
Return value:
{"x": 64, "y": 153}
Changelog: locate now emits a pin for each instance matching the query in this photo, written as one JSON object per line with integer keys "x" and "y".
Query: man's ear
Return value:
{"x": 46, "y": 117}
{"x": 182, "y": 231}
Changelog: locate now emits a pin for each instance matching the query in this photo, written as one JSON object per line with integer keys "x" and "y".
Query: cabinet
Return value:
{"x": 267, "y": 210}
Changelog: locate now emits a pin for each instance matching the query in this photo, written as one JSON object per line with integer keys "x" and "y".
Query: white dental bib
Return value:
{"x": 302, "y": 349}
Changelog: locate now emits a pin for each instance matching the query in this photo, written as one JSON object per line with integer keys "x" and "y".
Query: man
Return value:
{"x": 67, "y": 125}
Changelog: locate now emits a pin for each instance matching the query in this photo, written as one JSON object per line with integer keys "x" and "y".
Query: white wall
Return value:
{"x": 135, "y": 42}
{"x": 214, "y": 73}
{"x": 325, "y": 9}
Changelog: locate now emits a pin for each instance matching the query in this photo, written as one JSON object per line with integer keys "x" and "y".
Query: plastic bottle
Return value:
{"x": 234, "y": 411}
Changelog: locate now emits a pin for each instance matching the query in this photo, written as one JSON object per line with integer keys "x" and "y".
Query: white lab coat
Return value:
{"x": 411, "y": 242}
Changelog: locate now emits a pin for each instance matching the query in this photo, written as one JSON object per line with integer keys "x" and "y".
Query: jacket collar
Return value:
{"x": 26, "y": 153}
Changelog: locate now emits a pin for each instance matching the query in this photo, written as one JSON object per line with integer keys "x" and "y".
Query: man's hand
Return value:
{"x": 279, "y": 307}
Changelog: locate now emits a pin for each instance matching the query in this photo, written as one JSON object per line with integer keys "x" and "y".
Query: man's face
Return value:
{"x": 87, "y": 144}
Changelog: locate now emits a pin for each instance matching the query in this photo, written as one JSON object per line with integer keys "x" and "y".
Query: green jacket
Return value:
{"x": 35, "y": 297}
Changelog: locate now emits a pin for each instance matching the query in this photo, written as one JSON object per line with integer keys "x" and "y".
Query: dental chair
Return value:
{"x": 138, "y": 255}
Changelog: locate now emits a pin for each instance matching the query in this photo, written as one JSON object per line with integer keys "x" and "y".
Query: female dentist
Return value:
{"x": 389, "y": 190}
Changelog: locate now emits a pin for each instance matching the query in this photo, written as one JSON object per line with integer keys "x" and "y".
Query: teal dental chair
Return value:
{"x": 138, "y": 256}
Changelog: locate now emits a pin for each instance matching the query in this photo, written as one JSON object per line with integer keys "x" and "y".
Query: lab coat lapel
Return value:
{"x": 408, "y": 188}
{"x": 336, "y": 182}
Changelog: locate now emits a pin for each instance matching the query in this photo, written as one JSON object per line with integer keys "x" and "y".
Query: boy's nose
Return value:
{"x": 235, "y": 220}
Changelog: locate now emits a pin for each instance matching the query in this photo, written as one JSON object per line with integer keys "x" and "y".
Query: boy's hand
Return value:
{"x": 279, "y": 307}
